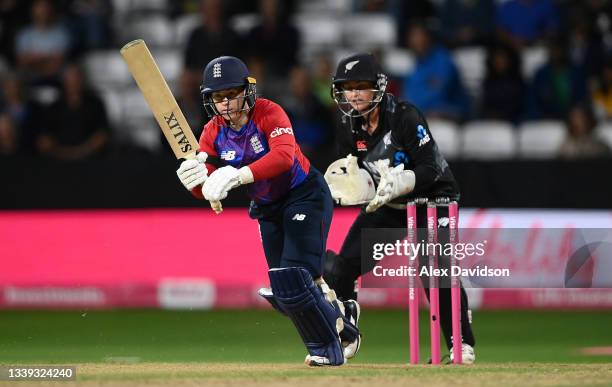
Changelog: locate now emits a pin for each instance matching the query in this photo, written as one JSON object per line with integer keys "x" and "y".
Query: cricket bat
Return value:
{"x": 162, "y": 103}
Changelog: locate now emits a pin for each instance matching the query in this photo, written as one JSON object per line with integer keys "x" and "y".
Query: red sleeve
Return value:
{"x": 207, "y": 144}
{"x": 279, "y": 134}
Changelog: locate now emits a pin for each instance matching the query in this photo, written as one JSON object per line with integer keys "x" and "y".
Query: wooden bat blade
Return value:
{"x": 162, "y": 103}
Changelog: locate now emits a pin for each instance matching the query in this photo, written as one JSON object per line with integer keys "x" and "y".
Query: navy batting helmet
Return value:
{"x": 226, "y": 72}
{"x": 358, "y": 67}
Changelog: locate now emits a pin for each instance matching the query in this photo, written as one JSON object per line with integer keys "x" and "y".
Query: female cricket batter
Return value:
{"x": 250, "y": 141}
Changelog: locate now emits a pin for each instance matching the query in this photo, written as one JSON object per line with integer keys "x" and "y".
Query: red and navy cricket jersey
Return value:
{"x": 266, "y": 144}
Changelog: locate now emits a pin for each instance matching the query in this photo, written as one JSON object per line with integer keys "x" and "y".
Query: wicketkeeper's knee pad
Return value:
{"x": 318, "y": 321}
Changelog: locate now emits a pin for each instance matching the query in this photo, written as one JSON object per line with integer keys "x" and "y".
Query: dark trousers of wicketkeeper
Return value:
{"x": 343, "y": 269}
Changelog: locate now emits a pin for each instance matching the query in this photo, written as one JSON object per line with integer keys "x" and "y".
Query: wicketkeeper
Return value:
{"x": 385, "y": 142}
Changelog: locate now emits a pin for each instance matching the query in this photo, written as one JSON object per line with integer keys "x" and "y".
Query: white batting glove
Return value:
{"x": 394, "y": 182}
{"x": 349, "y": 185}
{"x": 224, "y": 179}
{"x": 193, "y": 172}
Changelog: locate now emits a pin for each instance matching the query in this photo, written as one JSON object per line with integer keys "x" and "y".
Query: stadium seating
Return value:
{"x": 114, "y": 107}
{"x": 446, "y": 135}
{"x": 106, "y": 69}
{"x": 488, "y": 140}
{"x": 398, "y": 62}
{"x": 532, "y": 58}
{"x": 326, "y": 27}
{"x": 369, "y": 31}
{"x": 471, "y": 65}
{"x": 604, "y": 131}
{"x": 540, "y": 139}
{"x": 156, "y": 30}
{"x": 170, "y": 63}
{"x": 320, "y": 31}
{"x": 149, "y": 5}
{"x": 243, "y": 23}
{"x": 183, "y": 26}
{"x": 325, "y": 6}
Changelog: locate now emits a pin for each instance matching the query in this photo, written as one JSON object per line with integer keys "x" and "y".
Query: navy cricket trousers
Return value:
{"x": 294, "y": 231}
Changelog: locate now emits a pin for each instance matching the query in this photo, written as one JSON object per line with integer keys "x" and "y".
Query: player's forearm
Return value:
{"x": 278, "y": 161}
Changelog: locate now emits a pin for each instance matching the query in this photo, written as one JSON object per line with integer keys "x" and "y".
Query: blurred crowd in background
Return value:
{"x": 495, "y": 67}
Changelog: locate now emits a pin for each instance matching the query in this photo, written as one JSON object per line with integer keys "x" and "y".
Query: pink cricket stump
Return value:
{"x": 453, "y": 216}
{"x": 434, "y": 292}
{"x": 413, "y": 291}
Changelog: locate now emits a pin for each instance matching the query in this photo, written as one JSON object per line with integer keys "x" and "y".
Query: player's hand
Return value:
{"x": 193, "y": 172}
{"x": 349, "y": 185}
{"x": 224, "y": 179}
{"x": 394, "y": 182}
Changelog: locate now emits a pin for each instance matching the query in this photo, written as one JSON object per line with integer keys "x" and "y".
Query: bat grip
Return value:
{"x": 216, "y": 206}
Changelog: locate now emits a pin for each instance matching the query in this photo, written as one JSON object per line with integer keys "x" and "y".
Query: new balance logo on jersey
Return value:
{"x": 217, "y": 70}
{"x": 256, "y": 144}
{"x": 228, "y": 155}
{"x": 422, "y": 135}
{"x": 278, "y": 131}
{"x": 299, "y": 217}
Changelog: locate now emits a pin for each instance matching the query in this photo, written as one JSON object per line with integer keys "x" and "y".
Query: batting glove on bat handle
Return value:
{"x": 192, "y": 172}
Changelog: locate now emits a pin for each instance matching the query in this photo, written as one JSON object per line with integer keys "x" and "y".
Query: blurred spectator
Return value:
{"x": 404, "y": 12}
{"x": 90, "y": 24}
{"x": 602, "y": 92}
{"x": 8, "y": 135}
{"x": 557, "y": 85}
{"x": 467, "y": 22}
{"x": 23, "y": 113}
{"x": 312, "y": 121}
{"x": 14, "y": 14}
{"x": 210, "y": 40}
{"x": 321, "y": 81}
{"x": 42, "y": 47}
{"x": 586, "y": 47}
{"x": 274, "y": 88}
{"x": 434, "y": 86}
{"x": 181, "y": 7}
{"x": 503, "y": 90}
{"x": 190, "y": 102}
{"x": 76, "y": 125}
{"x": 274, "y": 40}
{"x": 581, "y": 141}
{"x": 524, "y": 22}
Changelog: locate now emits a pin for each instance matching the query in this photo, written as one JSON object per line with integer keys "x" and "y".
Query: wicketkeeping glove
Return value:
{"x": 394, "y": 182}
{"x": 349, "y": 185}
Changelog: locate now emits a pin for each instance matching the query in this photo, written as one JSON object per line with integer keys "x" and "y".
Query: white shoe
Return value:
{"x": 319, "y": 361}
{"x": 352, "y": 311}
{"x": 467, "y": 354}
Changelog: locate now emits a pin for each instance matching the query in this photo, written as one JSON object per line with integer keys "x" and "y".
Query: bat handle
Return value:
{"x": 217, "y": 207}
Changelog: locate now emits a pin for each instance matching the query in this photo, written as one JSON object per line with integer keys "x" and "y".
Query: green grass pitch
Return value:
{"x": 252, "y": 346}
